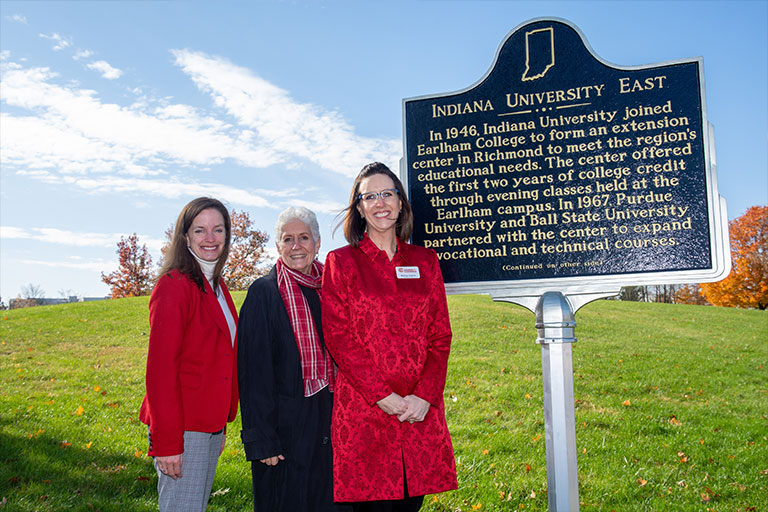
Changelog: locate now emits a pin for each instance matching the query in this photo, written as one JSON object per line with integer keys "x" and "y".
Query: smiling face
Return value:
{"x": 296, "y": 246}
{"x": 207, "y": 235}
{"x": 380, "y": 214}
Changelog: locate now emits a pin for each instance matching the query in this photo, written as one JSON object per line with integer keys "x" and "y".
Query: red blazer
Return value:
{"x": 191, "y": 365}
{"x": 387, "y": 334}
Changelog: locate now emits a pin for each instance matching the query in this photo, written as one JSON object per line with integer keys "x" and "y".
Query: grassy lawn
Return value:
{"x": 671, "y": 410}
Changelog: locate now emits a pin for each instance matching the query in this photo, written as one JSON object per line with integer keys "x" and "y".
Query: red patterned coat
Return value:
{"x": 387, "y": 334}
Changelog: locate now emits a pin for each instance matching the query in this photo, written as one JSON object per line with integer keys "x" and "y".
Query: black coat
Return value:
{"x": 277, "y": 418}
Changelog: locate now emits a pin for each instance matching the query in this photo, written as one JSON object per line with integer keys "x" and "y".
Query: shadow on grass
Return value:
{"x": 41, "y": 473}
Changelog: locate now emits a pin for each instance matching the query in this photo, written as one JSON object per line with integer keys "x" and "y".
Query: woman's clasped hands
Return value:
{"x": 409, "y": 408}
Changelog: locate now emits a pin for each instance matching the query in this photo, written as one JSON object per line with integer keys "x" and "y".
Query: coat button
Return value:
{"x": 326, "y": 439}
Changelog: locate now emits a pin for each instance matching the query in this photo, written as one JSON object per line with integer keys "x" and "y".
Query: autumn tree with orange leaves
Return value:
{"x": 246, "y": 252}
{"x": 133, "y": 276}
{"x": 747, "y": 284}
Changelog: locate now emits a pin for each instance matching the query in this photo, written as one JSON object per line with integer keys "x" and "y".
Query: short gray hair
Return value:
{"x": 305, "y": 215}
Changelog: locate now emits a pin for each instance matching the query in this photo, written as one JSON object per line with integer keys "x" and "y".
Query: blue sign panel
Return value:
{"x": 558, "y": 164}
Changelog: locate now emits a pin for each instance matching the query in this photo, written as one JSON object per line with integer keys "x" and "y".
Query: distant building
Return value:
{"x": 18, "y": 302}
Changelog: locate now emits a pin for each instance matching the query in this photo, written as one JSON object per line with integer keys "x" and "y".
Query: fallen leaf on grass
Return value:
{"x": 138, "y": 454}
{"x": 79, "y": 410}
{"x": 115, "y": 469}
{"x": 88, "y": 444}
{"x": 674, "y": 421}
{"x": 485, "y": 452}
{"x": 626, "y": 403}
{"x": 527, "y": 468}
{"x": 97, "y": 388}
{"x": 478, "y": 506}
{"x": 64, "y": 444}
{"x": 641, "y": 482}
{"x": 143, "y": 478}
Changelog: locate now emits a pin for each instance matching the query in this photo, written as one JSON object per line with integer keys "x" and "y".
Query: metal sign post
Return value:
{"x": 555, "y": 324}
{"x": 555, "y": 312}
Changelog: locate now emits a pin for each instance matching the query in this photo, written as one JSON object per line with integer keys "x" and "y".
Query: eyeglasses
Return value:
{"x": 386, "y": 195}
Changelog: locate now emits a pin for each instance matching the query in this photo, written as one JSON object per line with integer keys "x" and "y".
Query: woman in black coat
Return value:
{"x": 286, "y": 376}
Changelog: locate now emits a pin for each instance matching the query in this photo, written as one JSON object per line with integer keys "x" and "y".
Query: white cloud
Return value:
{"x": 332, "y": 207}
{"x": 105, "y": 69}
{"x": 71, "y": 131}
{"x": 171, "y": 189}
{"x": 82, "y": 54}
{"x": 13, "y": 232}
{"x": 73, "y": 238}
{"x": 285, "y": 126}
{"x": 18, "y": 18}
{"x": 100, "y": 265}
{"x": 67, "y": 135}
{"x": 60, "y": 42}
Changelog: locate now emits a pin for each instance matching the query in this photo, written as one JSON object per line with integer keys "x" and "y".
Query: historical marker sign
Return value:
{"x": 559, "y": 166}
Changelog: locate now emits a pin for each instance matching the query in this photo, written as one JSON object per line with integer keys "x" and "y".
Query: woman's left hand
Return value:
{"x": 416, "y": 409}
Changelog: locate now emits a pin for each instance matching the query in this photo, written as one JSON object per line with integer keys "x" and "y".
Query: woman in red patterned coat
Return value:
{"x": 386, "y": 324}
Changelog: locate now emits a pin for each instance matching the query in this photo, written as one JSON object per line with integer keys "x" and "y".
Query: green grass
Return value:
{"x": 670, "y": 410}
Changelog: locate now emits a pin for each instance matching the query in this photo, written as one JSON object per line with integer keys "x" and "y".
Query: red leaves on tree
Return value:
{"x": 747, "y": 284}
{"x": 245, "y": 253}
{"x": 133, "y": 276}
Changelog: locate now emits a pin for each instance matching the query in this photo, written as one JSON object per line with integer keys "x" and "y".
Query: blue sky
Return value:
{"x": 116, "y": 114}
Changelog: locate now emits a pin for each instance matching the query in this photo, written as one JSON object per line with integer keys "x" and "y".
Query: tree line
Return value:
{"x": 745, "y": 287}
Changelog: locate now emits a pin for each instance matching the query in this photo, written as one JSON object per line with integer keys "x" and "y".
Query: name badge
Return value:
{"x": 407, "y": 272}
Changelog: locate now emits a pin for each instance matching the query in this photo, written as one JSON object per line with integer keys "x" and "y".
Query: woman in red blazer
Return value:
{"x": 386, "y": 324}
{"x": 191, "y": 375}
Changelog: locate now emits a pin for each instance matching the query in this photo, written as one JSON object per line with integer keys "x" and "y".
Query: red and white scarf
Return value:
{"x": 317, "y": 368}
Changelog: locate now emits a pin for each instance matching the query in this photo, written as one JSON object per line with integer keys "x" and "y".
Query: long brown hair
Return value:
{"x": 178, "y": 256}
{"x": 354, "y": 223}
